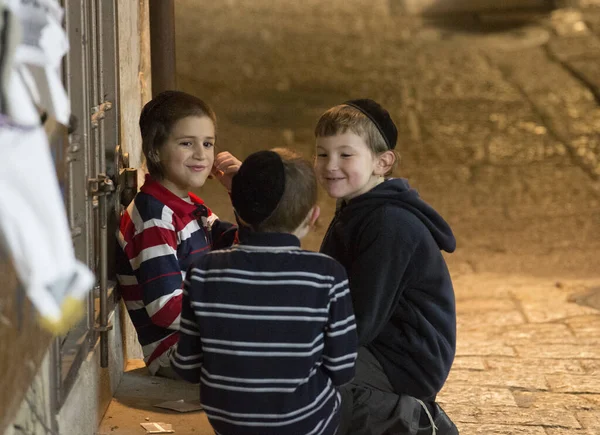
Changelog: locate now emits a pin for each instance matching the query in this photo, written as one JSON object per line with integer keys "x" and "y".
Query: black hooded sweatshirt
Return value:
{"x": 390, "y": 241}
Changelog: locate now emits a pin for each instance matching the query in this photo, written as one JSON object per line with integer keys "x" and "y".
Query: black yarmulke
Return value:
{"x": 258, "y": 186}
{"x": 380, "y": 117}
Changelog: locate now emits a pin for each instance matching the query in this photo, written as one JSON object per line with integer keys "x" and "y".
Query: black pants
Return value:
{"x": 370, "y": 406}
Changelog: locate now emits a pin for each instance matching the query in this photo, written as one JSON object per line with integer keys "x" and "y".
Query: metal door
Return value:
{"x": 91, "y": 80}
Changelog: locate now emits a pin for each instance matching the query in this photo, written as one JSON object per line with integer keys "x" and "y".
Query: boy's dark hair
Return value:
{"x": 274, "y": 190}
{"x": 159, "y": 116}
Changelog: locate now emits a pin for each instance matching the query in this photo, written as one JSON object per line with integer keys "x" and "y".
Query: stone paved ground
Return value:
{"x": 500, "y": 132}
{"x": 528, "y": 359}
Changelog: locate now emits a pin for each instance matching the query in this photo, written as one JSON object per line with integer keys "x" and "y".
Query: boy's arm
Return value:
{"x": 340, "y": 342}
{"x": 223, "y": 234}
{"x": 186, "y": 360}
{"x": 376, "y": 274}
{"x": 153, "y": 256}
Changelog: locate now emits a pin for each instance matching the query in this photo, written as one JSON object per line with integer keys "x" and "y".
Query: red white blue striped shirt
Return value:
{"x": 160, "y": 235}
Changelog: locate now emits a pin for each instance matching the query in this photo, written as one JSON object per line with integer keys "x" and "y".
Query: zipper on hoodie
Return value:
{"x": 333, "y": 221}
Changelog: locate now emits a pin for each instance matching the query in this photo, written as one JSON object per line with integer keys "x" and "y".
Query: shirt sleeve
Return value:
{"x": 154, "y": 259}
{"x": 340, "y": 343}
{"x": 378, "y": 269}
{"x": 223, "y": 234}
{"x": 187, "y": 358}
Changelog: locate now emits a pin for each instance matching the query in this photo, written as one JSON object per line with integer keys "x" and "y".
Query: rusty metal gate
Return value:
{"x": 89, "y": 161}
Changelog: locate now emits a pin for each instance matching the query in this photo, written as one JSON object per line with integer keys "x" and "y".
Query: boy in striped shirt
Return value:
{"x": 166, "y": 227}
{"x": 266, "y": 327}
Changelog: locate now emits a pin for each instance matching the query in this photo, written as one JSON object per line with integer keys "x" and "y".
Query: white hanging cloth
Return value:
{"x": 42, "y": 43}
{"x": 33, "y": 223}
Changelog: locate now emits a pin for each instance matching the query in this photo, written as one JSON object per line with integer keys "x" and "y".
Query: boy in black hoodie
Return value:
{"x": 390, "y": 241}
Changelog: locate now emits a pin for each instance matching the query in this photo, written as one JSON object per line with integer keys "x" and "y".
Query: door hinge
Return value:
{"x": 101, "y": 185}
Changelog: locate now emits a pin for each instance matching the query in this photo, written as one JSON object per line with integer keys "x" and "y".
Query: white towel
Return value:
{"x": 33, "y": 223}
{"x": 34, "y": 228}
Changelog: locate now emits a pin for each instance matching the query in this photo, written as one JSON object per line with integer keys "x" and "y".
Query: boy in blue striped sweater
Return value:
{"x": 266, "y": 327}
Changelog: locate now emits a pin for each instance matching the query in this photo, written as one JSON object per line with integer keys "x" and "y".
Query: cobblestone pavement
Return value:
{"x": 499, "y": 120}
{"x": 528, "y": 357}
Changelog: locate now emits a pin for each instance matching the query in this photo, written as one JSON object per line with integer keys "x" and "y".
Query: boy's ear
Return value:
{"x": 314, "y": 215}
{"x": 385, "y": 162}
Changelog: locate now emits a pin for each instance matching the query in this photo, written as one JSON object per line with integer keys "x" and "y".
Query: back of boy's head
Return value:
{"x": 365, "y": 118}
{"x": 159, "y": 116}
{"x": 273, "y": 191}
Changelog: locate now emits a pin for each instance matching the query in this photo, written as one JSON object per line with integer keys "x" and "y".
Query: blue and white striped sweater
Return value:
{"x": 268, "y": 330}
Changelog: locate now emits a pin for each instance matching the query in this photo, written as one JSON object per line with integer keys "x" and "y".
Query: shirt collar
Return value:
{"x": 275, "y": 240}
{"x": 179, "y": 205}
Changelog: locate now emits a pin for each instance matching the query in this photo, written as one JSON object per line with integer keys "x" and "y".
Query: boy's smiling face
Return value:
{"x": 346, "y": 166}
{"x": 188, "y": 154}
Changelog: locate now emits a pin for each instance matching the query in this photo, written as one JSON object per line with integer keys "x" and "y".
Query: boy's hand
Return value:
{"x": 224, "y": 168}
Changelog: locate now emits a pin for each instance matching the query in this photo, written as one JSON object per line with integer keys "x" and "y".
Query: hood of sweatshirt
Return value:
{"x": 397, "y": 191}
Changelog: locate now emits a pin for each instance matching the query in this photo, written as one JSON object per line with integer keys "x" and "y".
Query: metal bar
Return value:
{"x": 75, "y": 77}
{"x": 111, "y": 83}
{"x": 103, "y": 281}
{"x": 96, "y": 96}
{"x": 87, "y": 142}
{"x": 100, "y": 78}
{"x": 111, "y": 124}
{"x": 102, "y": 214}
{"x": 70, "y": 188}
{"x": 107, "y": 127}
{"x": 93, "y": 224}
{"x": 55, "y": 381}
{"x": 162, "y": 45}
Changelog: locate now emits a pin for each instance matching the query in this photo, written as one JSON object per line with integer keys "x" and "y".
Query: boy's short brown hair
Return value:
{"x": 343, "y": 119}
{"x": 159, "y": 116}
{"x": 288, "y": 184}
